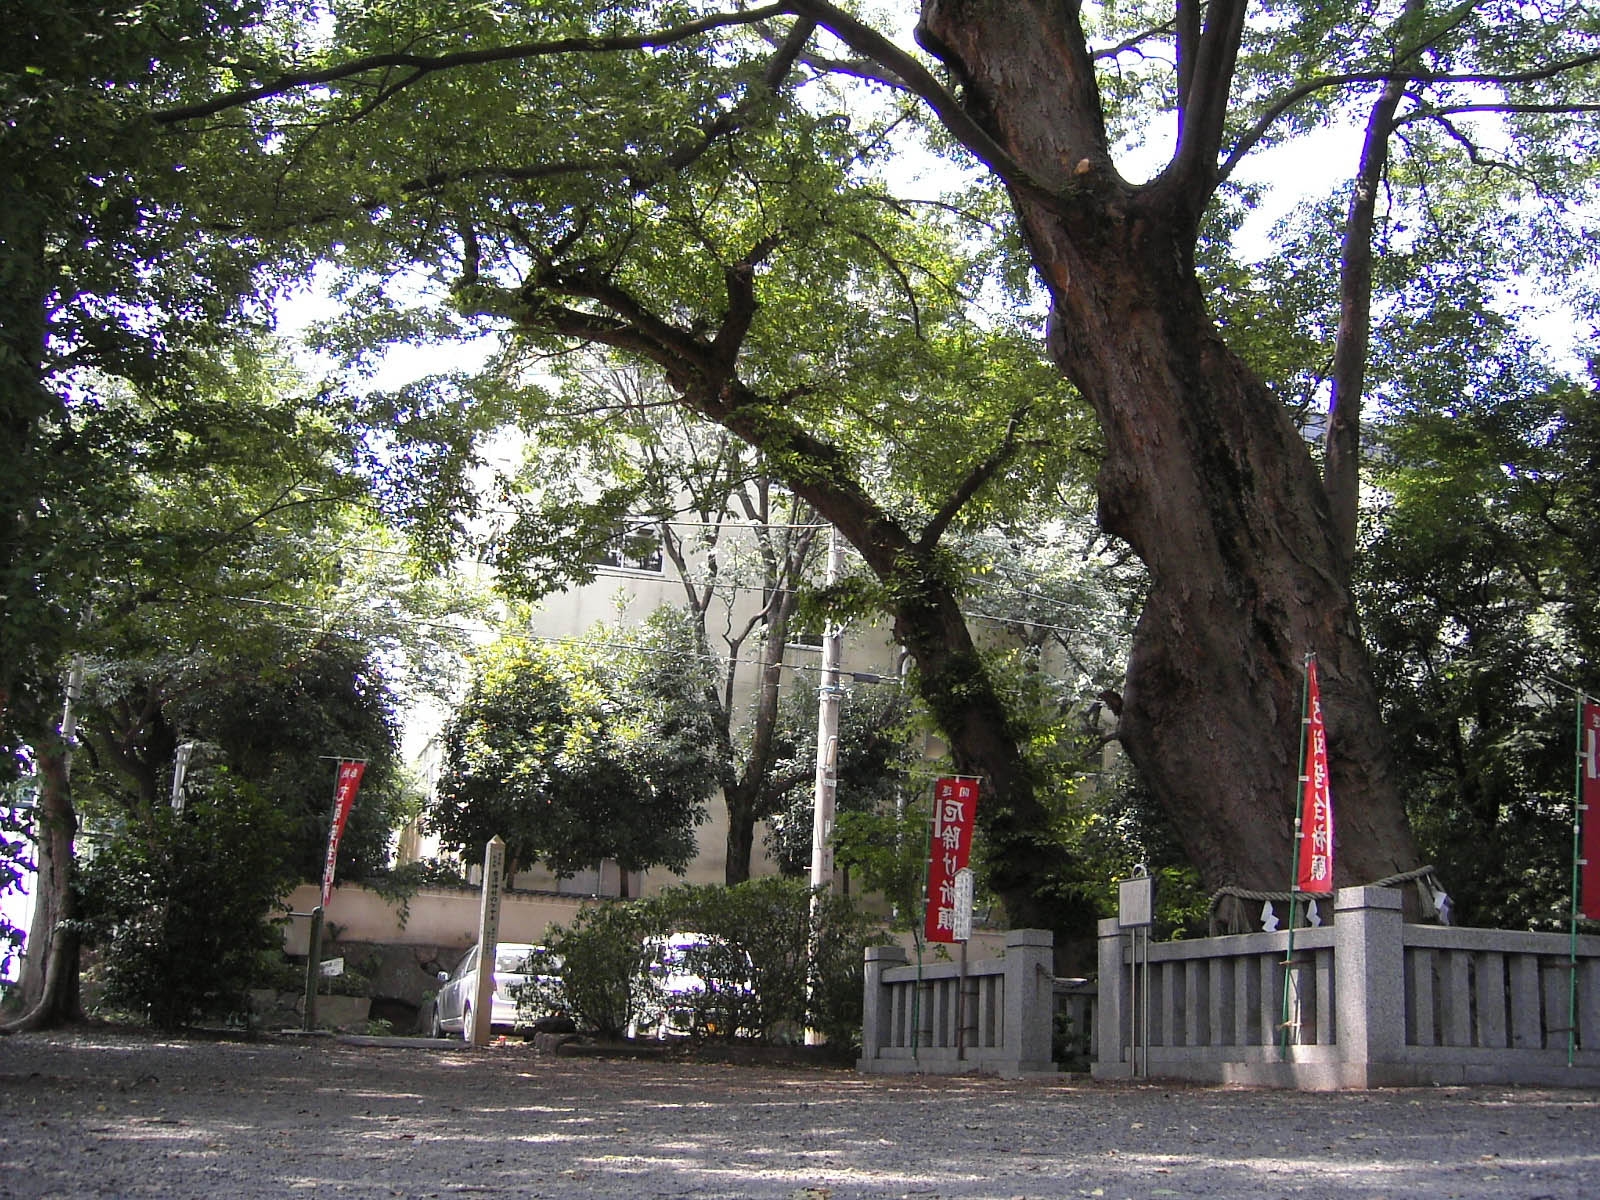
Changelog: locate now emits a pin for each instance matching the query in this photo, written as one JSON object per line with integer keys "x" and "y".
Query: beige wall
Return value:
{"x": 436, "y": 916}
{"x": 448, "y": 917}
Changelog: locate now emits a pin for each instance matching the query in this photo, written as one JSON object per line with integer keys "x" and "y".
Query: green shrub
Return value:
{"x": 843, "y": 935}
{"x": 755, "y": 962}
{"x": 181, "y": 906}
{"x": 751, "y": 957}
{"x": 603, "y": 958}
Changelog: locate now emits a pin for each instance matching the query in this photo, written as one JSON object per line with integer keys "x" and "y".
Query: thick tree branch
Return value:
{"x": 1186, "y": 31}
{"x": 772, "y": 78}
{"x": 969, "y": 486}
{"x": 740, "y": 280}
{"x": 865, "y": 40}
{"x": 423, "y": 65}
{"x": 857, "y": 68}
{"x": 1204, "y": 110}
{"x": 1342, "y": 440}
{"x": 630, "y": 313}
{"x": 1322, "y": 83}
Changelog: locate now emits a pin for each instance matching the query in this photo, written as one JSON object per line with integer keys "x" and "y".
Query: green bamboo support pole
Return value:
{"x": 1294, "y": 855}
{"x": 916, "y": 937}
{"x": 308, "y": 1020}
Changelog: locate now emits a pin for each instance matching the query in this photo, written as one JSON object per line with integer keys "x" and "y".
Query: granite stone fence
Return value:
{"x": 1373, "y": 1002}
{"x": 998, "y": 1017}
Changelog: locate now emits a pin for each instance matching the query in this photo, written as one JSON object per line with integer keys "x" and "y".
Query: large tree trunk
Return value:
{"x": 1204, "y": 474}
{"x": 30, "y": 628}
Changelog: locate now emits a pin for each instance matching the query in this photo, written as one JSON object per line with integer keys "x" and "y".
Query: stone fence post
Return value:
{"x": 876, "y": 1014}
{"x": 1110, "y": 1004}
{"x": 1369, "y": 987}
{"x": 1030, "y": 996}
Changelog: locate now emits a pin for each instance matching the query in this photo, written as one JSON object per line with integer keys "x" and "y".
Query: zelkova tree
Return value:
{"x": 841, "y": 353}
{"x": 545, "y": 160}
{"x": 110, "y": 272}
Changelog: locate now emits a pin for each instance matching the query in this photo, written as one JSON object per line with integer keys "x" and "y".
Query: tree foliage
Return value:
{"x": 706, "y": 190}
{"x": 614, "y": 466}
{"x": 109, "y": 265}
{"x": 579, "y": 753}
{"x": 227, "y": 589}
{"x": 1479, "y": 577}
{"x": 182, "y": 905}
{"x": 879, "y": 741}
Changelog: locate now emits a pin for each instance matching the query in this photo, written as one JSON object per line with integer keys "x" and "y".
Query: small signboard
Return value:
{"x": 1136, "y": 902}
{"x": 331, "y": 967}
{"x": 962, "y": 926}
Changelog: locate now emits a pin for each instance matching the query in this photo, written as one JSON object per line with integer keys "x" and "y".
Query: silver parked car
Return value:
{"x": 678, "y": 1001}
{"x": 458, "y": 989}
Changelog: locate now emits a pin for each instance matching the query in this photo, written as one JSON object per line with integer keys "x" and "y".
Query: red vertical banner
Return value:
{"x": 1314, "y": 856}
{"x": 344, "y": 795}
{"x": 955, "y": 804}
{"x": 1589, "y": 810}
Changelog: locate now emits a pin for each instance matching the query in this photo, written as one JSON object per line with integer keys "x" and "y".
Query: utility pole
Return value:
{"x": 828, "y": 697}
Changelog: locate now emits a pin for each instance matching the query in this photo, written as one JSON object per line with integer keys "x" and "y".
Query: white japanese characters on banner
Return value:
{"x": 1314, "y": 872}
{"x": 955, "y": 804}
{"x": 344, "y": 796}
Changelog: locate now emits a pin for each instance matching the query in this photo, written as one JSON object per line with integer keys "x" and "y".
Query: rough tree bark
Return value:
{"x": 1204, "y": 474}
{"x": 48, "y": 982}
{"x": 29, "y": 627}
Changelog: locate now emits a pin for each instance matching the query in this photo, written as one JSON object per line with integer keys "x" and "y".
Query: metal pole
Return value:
{"x": 1144, "y": 992}
{"x": 313, "y": 970}
{"x": 828, "y": 696}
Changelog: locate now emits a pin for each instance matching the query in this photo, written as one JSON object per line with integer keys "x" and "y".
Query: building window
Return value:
{"x": 635, "y": 549}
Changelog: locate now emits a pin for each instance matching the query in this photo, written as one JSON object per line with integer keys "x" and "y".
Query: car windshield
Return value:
{"x": 677, "y": 953}
{"x": 512, "y": 960}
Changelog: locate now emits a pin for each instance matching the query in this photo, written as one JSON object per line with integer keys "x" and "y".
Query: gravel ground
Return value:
{"x": 108, "y": 1114}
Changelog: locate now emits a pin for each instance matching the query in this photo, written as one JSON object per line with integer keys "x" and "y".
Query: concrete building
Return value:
{"x": 634, "y": 577}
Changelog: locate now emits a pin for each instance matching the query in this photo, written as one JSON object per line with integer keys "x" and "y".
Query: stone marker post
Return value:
{"x": 494, "y": 858}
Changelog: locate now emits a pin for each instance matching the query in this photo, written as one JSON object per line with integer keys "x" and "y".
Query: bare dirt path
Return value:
{"x": 97, "y": 1113}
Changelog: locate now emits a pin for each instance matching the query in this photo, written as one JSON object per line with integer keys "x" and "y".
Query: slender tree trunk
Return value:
{"x": 741, "y": 834}
{"x": 1341, "y": 470}
{"x": 1204, "y": 474}
{"x": 744, "y": 797}
{"x": 49, "y": 978}
{"x": 1031, "y": 872}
